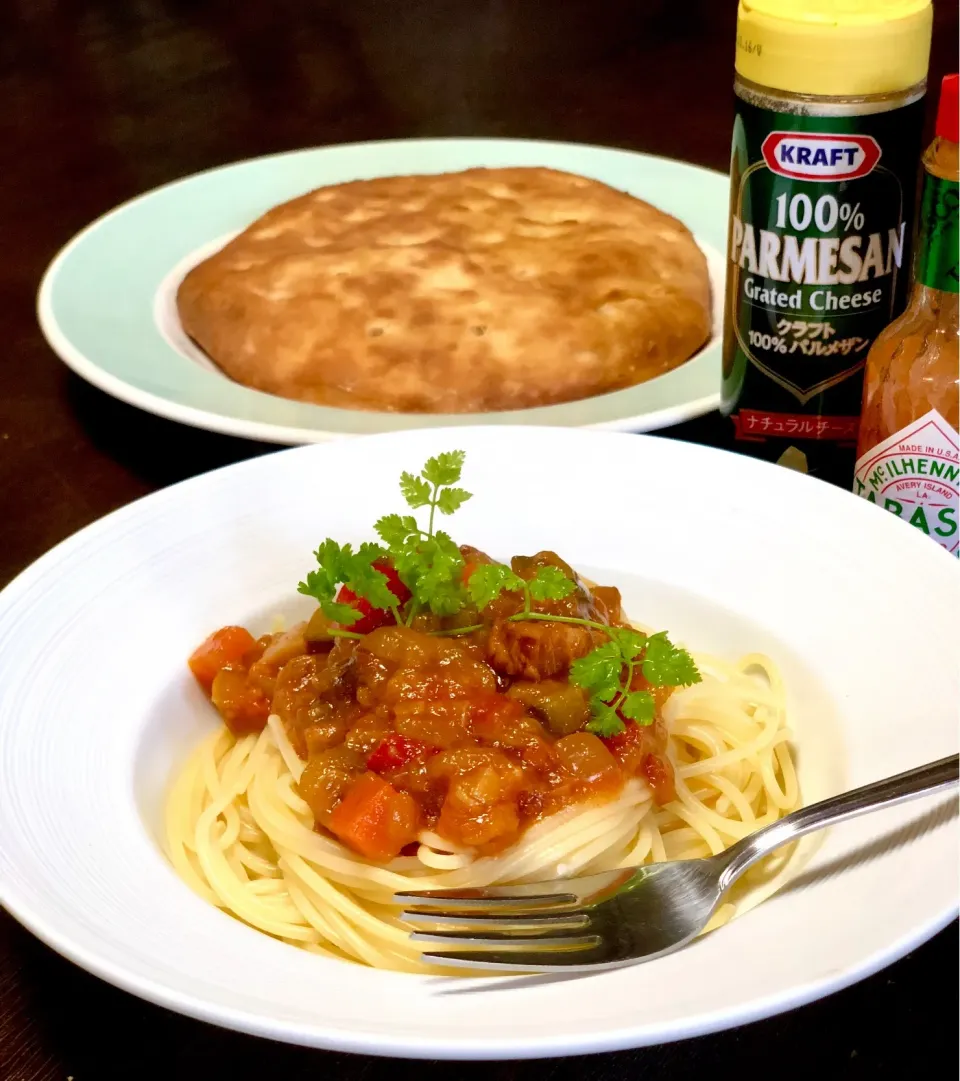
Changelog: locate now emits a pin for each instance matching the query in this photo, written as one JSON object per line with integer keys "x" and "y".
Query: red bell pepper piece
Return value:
{"x": 371, "y": 618}
{"x": 396, "y": 751}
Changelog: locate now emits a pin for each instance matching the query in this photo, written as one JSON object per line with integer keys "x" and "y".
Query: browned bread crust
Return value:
{"x": 490, "y": 289}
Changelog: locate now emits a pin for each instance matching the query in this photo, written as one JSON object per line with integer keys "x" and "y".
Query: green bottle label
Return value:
{"x": 938, "y": 244}
{"x": 818, "y": 265}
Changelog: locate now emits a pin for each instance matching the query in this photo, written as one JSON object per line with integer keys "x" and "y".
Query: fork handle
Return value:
{"x": 924, "y": 781}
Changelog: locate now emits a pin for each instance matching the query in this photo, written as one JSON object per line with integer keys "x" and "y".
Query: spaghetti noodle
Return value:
{"x": 239, "y": 834}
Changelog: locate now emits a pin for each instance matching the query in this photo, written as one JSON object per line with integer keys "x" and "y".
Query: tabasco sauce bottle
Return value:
{"x": 908, "y": 454}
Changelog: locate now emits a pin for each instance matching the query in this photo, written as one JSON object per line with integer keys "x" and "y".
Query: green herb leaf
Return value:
{"x": 443, "y": 597}
{"x": 340, "y": 564}
{"x": 550, "y": 584}
{"x": 638, "y": 706}
{"x": 416, "y": 492}
{"x": 429, "y": 563}
{"x": 448, "y": 547}
{"x": 451, "y": 499}
{"x": 315, "y": 585}
{"x": 322, "y": 583}
{"x": 605, "y": 721}
{"x": 608, "y": 671}
{"x": 344, "y": 614}
{"x": 631, "y": 642}
{"x": 600, "y": 671}
{"x": 437, "y": 567}
{"x": 395, "y": 529}
{"x": 409, "y": 562}
{"x": 329, "y": 556}
{"x": 445, "y": 468}
{"x": 488, "y": 581}
{"x": 667, "y": 665}
{"x": 369, "y": 583}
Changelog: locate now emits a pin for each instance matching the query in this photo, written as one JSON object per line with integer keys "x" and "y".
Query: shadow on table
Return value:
{"x": 158, "y": 451}
{"x": 162, "y": 452}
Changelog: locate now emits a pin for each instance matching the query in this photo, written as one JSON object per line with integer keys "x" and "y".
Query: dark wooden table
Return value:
{"x": 106, "y": 98}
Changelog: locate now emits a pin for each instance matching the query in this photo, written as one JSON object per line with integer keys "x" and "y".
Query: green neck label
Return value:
{"x": 938, "y": 245}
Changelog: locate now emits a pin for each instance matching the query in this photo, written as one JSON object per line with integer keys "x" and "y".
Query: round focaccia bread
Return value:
{"x": 478, "y": 291}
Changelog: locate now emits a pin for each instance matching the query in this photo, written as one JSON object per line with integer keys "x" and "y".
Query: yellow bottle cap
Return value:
{"x": 836, "y": 48}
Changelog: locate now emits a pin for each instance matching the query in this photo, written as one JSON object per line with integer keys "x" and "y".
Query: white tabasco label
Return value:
{"x": 915, "y": 474}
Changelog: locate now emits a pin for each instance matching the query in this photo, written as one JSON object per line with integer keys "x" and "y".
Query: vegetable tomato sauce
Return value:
{"x": 473, "y": 735}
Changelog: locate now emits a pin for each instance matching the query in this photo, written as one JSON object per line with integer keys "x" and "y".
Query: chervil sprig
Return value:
{"x": 607, "y": 674}
{"x": 489, "y": 580}
{"x": 431, "y": 567}
{"x": 433, "y": 487}
{"x": 428, "y": 562}
{"x": 666, "y": 665}
{"x": 339, "y": 565}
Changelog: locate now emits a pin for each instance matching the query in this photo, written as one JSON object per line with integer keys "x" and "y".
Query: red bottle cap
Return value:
{"x": 948, "y": 124}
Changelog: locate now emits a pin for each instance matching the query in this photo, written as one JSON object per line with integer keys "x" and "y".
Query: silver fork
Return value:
{"x": 635, "y": 914}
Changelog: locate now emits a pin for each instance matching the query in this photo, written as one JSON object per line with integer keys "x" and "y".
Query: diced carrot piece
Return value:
{"x": 375, "y": 819}
{"x": 229, "y": 645}
{"x": 240, "y": 702}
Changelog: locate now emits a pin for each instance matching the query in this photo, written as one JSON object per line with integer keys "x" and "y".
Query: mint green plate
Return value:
{"x": 106, "y": 303}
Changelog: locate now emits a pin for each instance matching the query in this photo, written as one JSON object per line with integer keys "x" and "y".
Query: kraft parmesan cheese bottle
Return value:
{"x": 826, "y": 140}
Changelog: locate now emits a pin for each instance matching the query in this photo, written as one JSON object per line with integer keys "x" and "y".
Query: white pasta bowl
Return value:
{"x": 97, "y": 711}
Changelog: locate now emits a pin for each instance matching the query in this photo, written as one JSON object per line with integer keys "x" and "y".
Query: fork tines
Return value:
{"x": 500, "y": 928}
